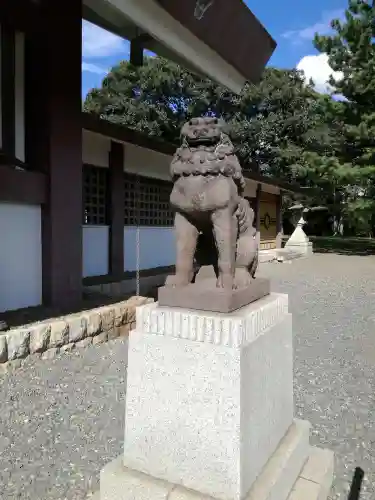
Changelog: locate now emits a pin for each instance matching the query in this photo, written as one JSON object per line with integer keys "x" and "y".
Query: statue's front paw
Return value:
{"x": 242, "y": 278}
{"x": 177, "y": 280}
{"x": 225, "y": 281}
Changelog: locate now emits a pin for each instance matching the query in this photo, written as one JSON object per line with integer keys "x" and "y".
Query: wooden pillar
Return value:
{"x": 279, "y": 221}
{"x": 117, "y": 203}
{"x": 8, "y": 89}
{"x": 257, "y": 212}
{"x": 54, "y": 143}
{"x": 136, "y": 51}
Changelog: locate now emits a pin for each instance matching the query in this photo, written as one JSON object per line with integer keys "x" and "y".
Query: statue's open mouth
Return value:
{"x": 203, "y": 140}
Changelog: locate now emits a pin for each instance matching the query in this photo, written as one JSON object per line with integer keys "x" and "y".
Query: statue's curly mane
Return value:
{"x": 207, "y": 157}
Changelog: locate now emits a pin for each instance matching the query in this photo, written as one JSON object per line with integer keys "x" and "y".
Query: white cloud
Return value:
{"x": 317, "y": 68}
{"x": 93, "y": 68}
{"x": 97, "y": 42}
{"x": 323, "y": 27}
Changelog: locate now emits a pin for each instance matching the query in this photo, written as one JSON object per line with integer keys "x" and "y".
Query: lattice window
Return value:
{"x": 95, "y": 195}
{"x": 150, "y": 206}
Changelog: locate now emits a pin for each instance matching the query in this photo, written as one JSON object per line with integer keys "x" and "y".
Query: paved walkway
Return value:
{"x": 62, "y": 420}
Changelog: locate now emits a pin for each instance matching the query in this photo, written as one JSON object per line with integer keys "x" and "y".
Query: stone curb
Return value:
{"x": 49, "y": 337}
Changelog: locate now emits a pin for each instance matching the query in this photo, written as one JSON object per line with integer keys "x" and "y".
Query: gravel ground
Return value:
{"x": 62, "y": 420}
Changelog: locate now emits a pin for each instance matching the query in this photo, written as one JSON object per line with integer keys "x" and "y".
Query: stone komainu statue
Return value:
{"x": 213, "y": 221}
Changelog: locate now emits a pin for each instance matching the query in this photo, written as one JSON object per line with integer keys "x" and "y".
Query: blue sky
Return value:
{"x": 292, "y": 23}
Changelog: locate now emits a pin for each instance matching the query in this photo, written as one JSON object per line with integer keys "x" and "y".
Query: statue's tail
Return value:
{"x": 245, "y": 216}
{"x": 254, "y": 264}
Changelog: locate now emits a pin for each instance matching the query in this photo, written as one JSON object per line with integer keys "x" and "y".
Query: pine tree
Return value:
{"x": 351, "y": 51}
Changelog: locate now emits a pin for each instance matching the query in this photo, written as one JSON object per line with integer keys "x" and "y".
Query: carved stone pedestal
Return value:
{"x": 209, "y": 410}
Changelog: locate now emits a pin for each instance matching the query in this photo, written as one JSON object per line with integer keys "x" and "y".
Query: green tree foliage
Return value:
{"x": 156, "y": 98}
{"x": 351, "y": 51}
{"x": 271, "y": 124}
{"x": 276, "y": 122}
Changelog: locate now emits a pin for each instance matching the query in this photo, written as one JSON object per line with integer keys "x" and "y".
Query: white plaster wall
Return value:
{"x": 95, "y": 248}
{"x": 20, "y": 256}
{"x": 157, "y": 247}
{"x": 95, "y": 149}
{"x": 146, "y": 162}
{"x": 20, "y": 95}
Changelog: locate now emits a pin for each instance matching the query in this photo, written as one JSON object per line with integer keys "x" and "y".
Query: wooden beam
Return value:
{"x": 97, "y": 125}
{"x": 18, "y": 186}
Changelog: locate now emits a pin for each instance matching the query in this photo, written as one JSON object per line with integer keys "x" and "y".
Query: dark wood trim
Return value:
{"x": 20, "y": 186}
{"x": 100, "y": 126}
{"x": 21, "y": 15}
{"x": 116, "y": 209}
{"x": 127, "y": 275}
{"x": 12, "y": 161}
{"x": 8, "y": 89}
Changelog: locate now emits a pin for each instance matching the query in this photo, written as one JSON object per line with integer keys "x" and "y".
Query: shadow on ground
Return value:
{"x": 346, "y": 251}
{"x": 355, "y": 488}
{"x": 342, "y": 246}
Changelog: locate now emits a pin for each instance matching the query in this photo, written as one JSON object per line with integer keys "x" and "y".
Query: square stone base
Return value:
{"x": 205, "y": 296}
{"x": 209, "y": 396}
{"x": 296, "y": 471}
